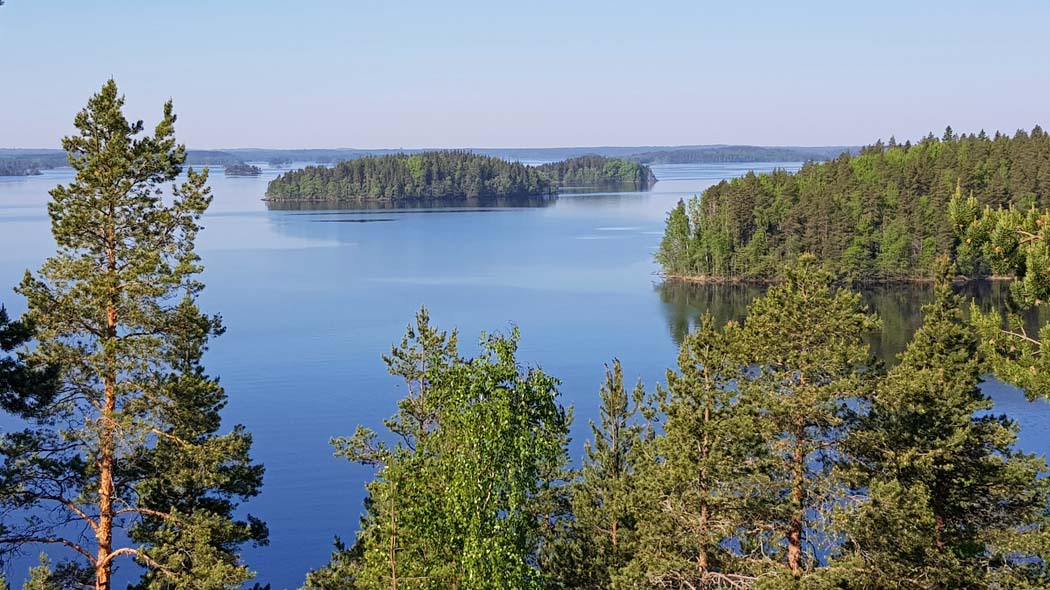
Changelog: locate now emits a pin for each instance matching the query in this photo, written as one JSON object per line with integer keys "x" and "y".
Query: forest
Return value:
{"x": 881, "y": 215}
{"x": 599, "y": 171}
{"x": 446, "y": 175}
{"x": 780, "y": 454}
{"x": 451, "y": 175}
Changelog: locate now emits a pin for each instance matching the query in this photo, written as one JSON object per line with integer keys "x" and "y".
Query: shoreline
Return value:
{"x": 718, "y": 280}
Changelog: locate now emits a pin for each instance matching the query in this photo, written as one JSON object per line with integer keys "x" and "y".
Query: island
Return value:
{"x": 879, "y": 216}
{"x": 600, "y": 172}
{"x": 451, "y": 176}
{"x": 242, "y": 170}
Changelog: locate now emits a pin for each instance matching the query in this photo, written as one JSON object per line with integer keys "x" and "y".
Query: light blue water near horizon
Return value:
{"x": 311, "y": 299}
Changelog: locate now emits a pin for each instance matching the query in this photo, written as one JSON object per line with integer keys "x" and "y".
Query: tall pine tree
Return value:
{"x": 804, "y": 343}
{"x": 123, "y": 444}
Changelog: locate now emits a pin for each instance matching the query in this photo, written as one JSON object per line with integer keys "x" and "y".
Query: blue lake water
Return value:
{"x": 311, "y": 299}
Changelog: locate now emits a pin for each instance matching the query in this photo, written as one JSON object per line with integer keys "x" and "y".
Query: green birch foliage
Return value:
{"x": 676, "y": 245}
{"x": 458, "y": 505}
{"x": 124, "y": 443}
{"x": 804, "y": 343}
{"x": 703, "y": 479}
{"x": 951, "y": 503}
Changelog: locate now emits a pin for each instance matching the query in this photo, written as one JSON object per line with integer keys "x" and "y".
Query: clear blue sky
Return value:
{"x": 407, "y": 73}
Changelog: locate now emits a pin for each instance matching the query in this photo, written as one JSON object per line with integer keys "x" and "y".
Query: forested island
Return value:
{"x": 599, "y": 171}
{"x": 882, "y": 215}
{"x": 450, "y": 175}
{"x": 242, "y": 170}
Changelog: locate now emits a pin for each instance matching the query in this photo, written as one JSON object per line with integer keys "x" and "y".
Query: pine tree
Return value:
{"x": 604, "y": 517}
{"x": 697, "y": 510}
{"x": 804, "y": 343}
{"x": 951, "y": 503}
{"x": 115, "y": 310}
{"x": 41, "y": 577}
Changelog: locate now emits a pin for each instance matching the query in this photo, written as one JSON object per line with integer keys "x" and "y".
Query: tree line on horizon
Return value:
{"x": 780, "y": 454}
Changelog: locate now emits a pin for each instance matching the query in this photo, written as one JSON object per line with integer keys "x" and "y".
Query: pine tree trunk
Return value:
{"x": 702, "y": 559}
{"x": 106, "y": 451}
{"x": 797, "y": 494}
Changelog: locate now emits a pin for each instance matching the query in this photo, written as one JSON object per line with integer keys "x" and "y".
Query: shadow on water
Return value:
{"x": 898, "y": 306}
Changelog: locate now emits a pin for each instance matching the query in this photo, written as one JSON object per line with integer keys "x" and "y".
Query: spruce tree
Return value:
{"x": 129, "y": 441}
{"x": 951, "y": 503}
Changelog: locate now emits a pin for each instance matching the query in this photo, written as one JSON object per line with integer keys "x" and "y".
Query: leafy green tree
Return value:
{"x": 456, "y": 507}
{"x": 1016, "y": 243}
{"x": 675, "y": 247}
{"x": 804, "y": 344}
{"x": 115, "y": 310}
{"x": 951, "y": 504}
{"x": 697, "y": 513}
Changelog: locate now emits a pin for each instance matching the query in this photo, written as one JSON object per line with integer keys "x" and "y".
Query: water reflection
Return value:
{"x": 898, "y": 306}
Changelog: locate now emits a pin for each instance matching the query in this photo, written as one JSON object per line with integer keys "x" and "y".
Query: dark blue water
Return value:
{"x": 311, "y": 300}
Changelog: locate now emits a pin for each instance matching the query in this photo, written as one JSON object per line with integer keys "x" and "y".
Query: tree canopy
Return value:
{"x": 879, "y": 215}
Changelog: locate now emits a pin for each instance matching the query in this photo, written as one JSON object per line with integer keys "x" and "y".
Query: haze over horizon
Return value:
{"x": 375, "y": 75}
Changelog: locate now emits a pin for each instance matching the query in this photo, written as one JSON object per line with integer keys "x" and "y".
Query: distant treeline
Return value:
{"x": 24, "y": 162}
{"x": 879, "y": 215}
{"x": 16, "y": 162}
{"x": 599, "y": 171}
{"x": 450, "y": 175}
{"x": 739, "y": 154}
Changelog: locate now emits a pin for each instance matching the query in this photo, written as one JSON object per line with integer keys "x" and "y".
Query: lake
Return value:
{"x": 311, "y": 299}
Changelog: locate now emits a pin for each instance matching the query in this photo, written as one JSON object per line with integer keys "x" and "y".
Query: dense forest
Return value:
{"x": 599, "y": 171}
{"x": 242, "y": 170}
{"x": 450, "y": 175}
{"x": 738, "y": 154}
{"x": 880, "y": 215}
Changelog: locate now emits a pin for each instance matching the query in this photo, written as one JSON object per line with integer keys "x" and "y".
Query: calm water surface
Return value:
{"x": 311, "y": 299}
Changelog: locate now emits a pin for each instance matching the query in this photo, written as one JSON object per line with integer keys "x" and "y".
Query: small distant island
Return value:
{"x": 451, "y": 175}
{"x": 242, "y": 170}
{"x": 599, "y": 171}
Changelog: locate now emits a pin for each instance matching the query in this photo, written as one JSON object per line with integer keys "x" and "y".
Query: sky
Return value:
{"x": 452, "y": 73}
